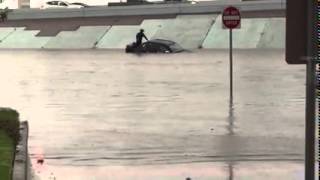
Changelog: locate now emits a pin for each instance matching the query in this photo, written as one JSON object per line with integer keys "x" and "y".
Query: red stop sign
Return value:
{"x": 231, "y": 17}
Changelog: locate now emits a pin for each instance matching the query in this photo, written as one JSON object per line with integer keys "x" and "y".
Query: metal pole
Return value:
{"x": 310, "y": 122}
{"x": 310, "y": 94}
{"x": 231, "y": 66}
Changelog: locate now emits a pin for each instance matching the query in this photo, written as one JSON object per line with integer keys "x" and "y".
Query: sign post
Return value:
{"x": 231, "y": 19}
{"x": 231, "y": 66}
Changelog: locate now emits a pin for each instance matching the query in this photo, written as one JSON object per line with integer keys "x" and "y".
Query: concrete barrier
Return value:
{"x": 21, "y": 161}
{"x": 5, "y": 32}
{"x": 154, "y": 9}
{"x": 85, "y": 37}
{"x": 118, "y": 37}
{"x": 274, "y": 34}
{"x": 21, "y": 38}
{"x": 44, "y": 14}
{"x": 248, "y": 36}
{"x": 131, "y": 10}
{"x": 189, "y": 31}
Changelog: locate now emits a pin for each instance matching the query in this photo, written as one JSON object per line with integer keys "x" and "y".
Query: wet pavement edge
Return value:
{"x": 22, "y": 160}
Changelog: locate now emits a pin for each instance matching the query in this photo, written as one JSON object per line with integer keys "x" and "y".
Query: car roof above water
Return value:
{"x": 162, "y": 41}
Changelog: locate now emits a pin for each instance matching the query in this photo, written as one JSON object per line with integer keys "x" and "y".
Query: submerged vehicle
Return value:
{"x": 80, "y": 4}
{"x": 155, "y": 46}
{"x": 59, "y": 4}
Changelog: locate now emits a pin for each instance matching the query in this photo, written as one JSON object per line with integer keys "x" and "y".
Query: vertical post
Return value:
{"x": 310, "y": 92}
{"x": 310, "y": 121}
{"x": 231, "y": 67}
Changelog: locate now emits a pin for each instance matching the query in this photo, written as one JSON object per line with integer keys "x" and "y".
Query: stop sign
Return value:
{"x": 231, "y": 17}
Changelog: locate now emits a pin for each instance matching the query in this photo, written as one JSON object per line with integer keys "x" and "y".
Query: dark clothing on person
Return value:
{"x": 139, "y": 37}
{"x": 4, "y": 14}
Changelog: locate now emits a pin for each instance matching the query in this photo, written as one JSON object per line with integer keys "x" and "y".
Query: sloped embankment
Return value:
{"x": 190, "y": 31}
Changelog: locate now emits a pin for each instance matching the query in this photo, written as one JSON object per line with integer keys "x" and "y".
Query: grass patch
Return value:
{"x": 9, "y": 122}
{"x": 9, "y": 137}
{"x": 6, "y": 154}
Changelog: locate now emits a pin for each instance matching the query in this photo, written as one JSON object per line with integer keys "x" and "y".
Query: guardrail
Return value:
{"x": 153, "y": 9}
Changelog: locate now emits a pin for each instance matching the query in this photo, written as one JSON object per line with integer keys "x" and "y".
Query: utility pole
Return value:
{"x": 301, "y": 48}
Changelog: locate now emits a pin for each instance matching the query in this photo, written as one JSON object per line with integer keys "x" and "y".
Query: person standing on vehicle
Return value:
{"x": 139, "y": 37}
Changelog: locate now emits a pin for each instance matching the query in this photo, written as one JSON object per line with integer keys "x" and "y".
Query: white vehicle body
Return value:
{"x": 9, "y": 4}
{"x": 59, "y": 4}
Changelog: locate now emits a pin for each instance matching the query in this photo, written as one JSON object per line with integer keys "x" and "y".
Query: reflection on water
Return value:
{"x": 231, "y": 119}
{"x": 230, "y": 168}
{"x": 105, "y": 109}
{"x": 231, "y": 132}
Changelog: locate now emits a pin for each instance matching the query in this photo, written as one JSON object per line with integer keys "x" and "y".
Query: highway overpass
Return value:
{"x": 192, "y": 26}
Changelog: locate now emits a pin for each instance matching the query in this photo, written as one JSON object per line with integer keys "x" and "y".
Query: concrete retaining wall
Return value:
{"x": 187, "y": 30}
{"x": 248, "y": 36}
{"x": 21, "y": 38}
{"x": 190, "y": 31}
{"x": 196, "y": 27}
{"x": 5, "y": 32}
{"x": 274, "y": 34}
{"x": 85, "y": 37}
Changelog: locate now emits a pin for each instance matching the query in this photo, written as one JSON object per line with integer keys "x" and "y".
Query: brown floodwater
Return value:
{"x": 97, "y": 114}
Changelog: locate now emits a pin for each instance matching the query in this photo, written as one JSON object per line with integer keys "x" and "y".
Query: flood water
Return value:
{"x": 101, "y": 115}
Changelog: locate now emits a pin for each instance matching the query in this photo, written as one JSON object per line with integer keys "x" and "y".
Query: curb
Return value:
{"x": 21, "y": 161}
